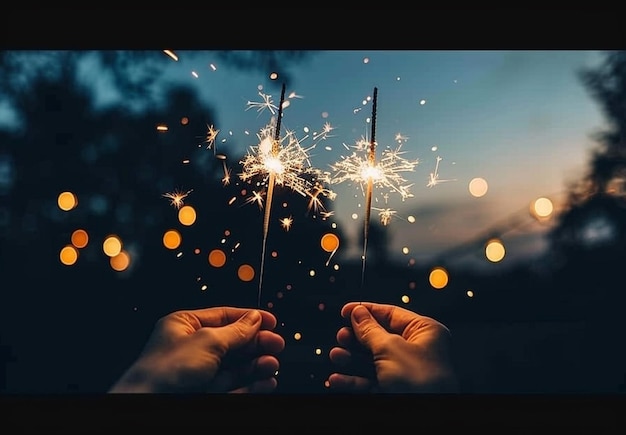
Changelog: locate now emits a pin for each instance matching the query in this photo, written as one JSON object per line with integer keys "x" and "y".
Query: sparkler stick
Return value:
{"x": 270, "y": 191}
{"x": 371, "y": 159}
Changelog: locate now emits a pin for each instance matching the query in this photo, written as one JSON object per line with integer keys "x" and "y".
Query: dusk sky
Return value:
{"x": 521, "y": 120}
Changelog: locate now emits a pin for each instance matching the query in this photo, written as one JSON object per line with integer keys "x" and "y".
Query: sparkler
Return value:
{"x": 286, "y": 165}
{"x": 270, "y": 188}
{"x": 368, "y": 173}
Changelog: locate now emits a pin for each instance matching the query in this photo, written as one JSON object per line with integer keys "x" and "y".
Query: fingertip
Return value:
{"x": 269, "y": 320}
{"x": 253, "y": 315}
{"x": 346, "y": 311}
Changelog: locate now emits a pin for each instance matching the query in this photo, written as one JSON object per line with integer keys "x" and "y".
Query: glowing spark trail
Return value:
{"x": 368, "y": 174}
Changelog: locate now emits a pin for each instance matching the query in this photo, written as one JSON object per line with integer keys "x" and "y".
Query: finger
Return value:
{"x": 367, "y": 330}
{"x": 269, "y": 342}
{"x": 222, "y": 341}
{"x": 394, "y": 319}
{"x": 348, "y": 383}
{"x": 340, "y": 356}
{"x": 265, "y": 366}
{"x": 345, "y": 337}
{"x": 265, "y": 343}
{"x": 354, "y": 362}
{"x": 262, "y": 386}
{"x": 221, "y": 316}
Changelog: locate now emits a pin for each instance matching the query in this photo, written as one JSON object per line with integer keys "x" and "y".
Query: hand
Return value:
{"x": 219, "y": 350}
{"x": 409, "y": 352}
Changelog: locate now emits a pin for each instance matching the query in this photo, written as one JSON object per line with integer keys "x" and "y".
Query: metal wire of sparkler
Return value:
{"x": 371, "y": 159}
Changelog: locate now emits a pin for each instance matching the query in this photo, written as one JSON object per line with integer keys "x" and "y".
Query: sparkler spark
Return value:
{"x": 227, "y": 170}
{"x": 325, "y": 133}
{"x": 210, "y": 137}
{"x": 177, "y": 197}
{"x": 266, "y": 103}
{"x": 286, "y": 223}
{"x": 433, "y": 178}
{"x": 385, "y": 215}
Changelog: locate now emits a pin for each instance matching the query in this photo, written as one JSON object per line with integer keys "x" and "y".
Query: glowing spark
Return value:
{"x": 294, "y": 95}
{"x": 210, "y": 137}
{"x": 213, "y": 67}
{"x": 326, "y": 214}
{"x": 385, "y": 215}
{"x": 226, "y": 177}
{"x": 286, "y": 223}
{"x": 433, "y": 178}
{"x": 266, "y": 103}
{"x": 177, "y": 197}
{"x": 325, "y": 132}
{"x": 256, "y": 197}
{"x": 401, "y": 138}
{"x": 315, "y": 202}
{"x": 171, "y": 54}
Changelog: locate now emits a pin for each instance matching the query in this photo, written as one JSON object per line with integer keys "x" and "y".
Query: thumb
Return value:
{"x": 366, "y": 329}
{"x": 243, "y": 330}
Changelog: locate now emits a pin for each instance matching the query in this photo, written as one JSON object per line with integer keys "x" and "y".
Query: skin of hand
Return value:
{"x": 214, "y": 350}
{"x": 410, "y": 353}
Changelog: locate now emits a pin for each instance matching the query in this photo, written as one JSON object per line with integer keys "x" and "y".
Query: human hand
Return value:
{"x": 409, "y": 352}
{"x": 222, "y": 349}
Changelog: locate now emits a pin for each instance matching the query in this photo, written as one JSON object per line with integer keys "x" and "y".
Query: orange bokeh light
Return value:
{"x": 217, "y": 258}
{"x": 68, "y": 255}
{"x": 120, "y": 262}
{"x": 67, "y": 201}
{"x": 245, "y": 272}
{"x": 171, "y": 239}
{"x": 329, "y": 242}
{"x": 80, "y": 238}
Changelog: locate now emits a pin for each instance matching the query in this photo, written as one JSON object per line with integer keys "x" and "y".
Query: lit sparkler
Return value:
{"x": 361, "y": 168}
{"x": 277, "y": 163}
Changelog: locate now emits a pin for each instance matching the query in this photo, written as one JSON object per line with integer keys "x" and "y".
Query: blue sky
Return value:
{"x": 521, "y": 120}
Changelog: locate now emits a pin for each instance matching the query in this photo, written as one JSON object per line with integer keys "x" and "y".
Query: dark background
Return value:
{"x": 558, "y": 327}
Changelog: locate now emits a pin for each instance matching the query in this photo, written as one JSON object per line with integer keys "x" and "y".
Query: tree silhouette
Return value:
{"x": 119, "y": 166}
{"x": 594, "y": 219}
